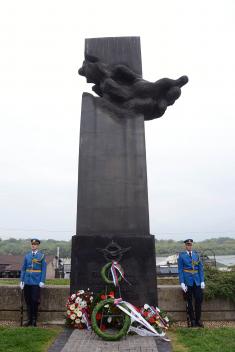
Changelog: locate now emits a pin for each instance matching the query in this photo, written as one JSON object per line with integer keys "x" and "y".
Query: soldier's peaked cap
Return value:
{"x": 189, "y": 240}
{"x": 35, "y": 241}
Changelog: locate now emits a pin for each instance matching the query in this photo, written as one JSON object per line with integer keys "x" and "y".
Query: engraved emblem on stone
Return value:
{"x": 113, "y": 251}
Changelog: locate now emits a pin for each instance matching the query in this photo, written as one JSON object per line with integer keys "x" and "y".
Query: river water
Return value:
{"x": 223, "y": 259}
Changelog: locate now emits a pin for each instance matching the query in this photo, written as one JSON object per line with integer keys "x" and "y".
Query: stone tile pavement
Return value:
{"x": 88, "y": 341}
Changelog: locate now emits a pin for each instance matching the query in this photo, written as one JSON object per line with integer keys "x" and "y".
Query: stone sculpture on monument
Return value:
{"x": 112, "y": 207}
{"x": 124, "y": 90}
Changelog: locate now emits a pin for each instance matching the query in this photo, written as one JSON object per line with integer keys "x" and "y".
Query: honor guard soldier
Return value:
{"x": 33, "y": 274}
{"x": 191, "y": 277}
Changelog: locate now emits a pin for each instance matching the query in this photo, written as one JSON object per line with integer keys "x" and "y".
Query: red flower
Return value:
{"x": 102, "y": 327}
{"x": 98, "y": 316}
{"x": 146, "y": 314}
{"x": 103, "y": 297}
{"x": 111, "y": 294}
{"x": 152, "y": 320}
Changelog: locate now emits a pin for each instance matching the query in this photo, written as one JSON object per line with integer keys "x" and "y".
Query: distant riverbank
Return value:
{"x": 227, "y": 260}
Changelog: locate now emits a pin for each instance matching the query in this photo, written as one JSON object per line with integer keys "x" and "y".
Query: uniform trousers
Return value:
{"x": 196, "y": 292}
{"x": 32, "y": 299}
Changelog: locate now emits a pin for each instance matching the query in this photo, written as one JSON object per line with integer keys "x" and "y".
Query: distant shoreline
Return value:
{"x": 227, "y": 260}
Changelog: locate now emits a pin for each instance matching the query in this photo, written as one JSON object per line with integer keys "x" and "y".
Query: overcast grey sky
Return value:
{"x": 190, "y": 151}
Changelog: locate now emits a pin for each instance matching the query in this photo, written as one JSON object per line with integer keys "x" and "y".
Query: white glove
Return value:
{"x": 203, "y": 285}
{"x": 21, "y": 285}
{"x": 184, "y": 287}
{"x": 41, "y": 284}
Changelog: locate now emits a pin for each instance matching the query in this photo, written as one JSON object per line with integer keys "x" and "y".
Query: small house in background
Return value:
{"x": 10, "y": 266}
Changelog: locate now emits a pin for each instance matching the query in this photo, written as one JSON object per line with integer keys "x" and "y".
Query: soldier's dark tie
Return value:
{"x": 190, "y": 254}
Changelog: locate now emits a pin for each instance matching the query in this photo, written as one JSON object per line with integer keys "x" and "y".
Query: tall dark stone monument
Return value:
{"x": 112, "y": 209}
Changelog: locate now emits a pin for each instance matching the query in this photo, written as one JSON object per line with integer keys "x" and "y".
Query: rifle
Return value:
{"x": 21, "y": 307}
{"x": 185, "y": 296}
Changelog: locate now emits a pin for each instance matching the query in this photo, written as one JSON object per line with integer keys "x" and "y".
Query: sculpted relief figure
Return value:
{"x": 121, "y": 89}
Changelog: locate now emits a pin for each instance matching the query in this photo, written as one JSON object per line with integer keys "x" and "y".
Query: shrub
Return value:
{"x": 219, "y": 284}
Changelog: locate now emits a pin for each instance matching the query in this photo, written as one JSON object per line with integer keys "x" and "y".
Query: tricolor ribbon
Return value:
{"x": 115, "y": 267}
{"x": 86, "y": 319}
{"x": 130, "y": 310}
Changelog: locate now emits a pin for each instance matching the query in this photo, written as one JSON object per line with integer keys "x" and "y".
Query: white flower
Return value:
{"x": 83, "y": 320}
{"x": 91, "y": 298}
{"x": 166, "y": 319}
{"x": 79, "y": 313}
{"x": 72, "y": 316}
{"x": 109, "y": 319}
{"x": 146, "y": 306}
{"x": 83, "y": 304}
{"x": 78, "y": 300}
{"x": 106, "y": 306}
{"x": 73, "y": 296}
{"x": 81, "y": 292}
{"x": 72, "y": 307}
{"x": 68, "y": 312}
{"x": 77, "y": 321}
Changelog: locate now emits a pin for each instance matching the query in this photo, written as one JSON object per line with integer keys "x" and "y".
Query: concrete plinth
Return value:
{"x": 137, "y": 260}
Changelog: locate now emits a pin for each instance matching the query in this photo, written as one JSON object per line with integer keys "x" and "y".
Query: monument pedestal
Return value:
{"x": 136, "y": 255}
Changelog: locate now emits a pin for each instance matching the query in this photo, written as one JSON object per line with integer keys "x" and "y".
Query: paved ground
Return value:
{"x": 88, "y": 341}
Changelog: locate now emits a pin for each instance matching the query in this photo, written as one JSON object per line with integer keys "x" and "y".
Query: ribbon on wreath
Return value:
{"x": 115, "y": 269}
{"x": 147, "y": 329}
{"x": 86, "y": 319}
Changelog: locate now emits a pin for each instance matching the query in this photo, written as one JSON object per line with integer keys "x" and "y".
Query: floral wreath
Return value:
{"x": 105, "y": 312}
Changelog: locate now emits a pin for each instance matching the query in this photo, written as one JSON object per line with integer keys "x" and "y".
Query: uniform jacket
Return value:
{"x": 33, "y": 269}
{"x": 190, "y": 269}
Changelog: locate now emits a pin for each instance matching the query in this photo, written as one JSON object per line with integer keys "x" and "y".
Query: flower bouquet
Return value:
{"x": 79, "y": 309}
{"x": 156, "y": 318}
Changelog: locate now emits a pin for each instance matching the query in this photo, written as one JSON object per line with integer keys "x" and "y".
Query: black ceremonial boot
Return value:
{"x": 200, "y": 324}
{"x": 193, "y": 324}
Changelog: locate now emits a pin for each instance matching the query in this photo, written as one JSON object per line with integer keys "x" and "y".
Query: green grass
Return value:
{"x": 26, "y": 339}
{"x": 206, "y": 340}
{"x": 48, "y": 282}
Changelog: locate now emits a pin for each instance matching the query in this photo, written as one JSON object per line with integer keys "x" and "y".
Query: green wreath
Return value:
{"x": 104, "y": 276}
{"x": 105, "y": 335}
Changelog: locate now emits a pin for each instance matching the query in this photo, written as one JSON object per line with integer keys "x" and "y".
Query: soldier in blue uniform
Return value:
{"x": 191, "y": 277}
{"x": 33, "y": 275}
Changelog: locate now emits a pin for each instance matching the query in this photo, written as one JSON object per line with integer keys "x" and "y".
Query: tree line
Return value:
{"x": 220, "y": 246}
{"x": 21, "y": 246}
